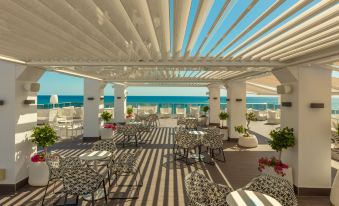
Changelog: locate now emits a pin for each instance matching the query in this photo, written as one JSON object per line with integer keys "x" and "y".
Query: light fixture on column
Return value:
{"x": 2, "y": 102}
{"x": 286, "y": 104}
{"x": 238, "y": 100}
{"x": 29, "y": 101}
{"x": 317, "y": 105}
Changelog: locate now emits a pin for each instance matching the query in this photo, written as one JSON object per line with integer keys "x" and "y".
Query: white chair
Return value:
{"x": 79, "y": 113}
{"x": 273, "y": 117}
{"x": 165, "y": 112}
{"x": 195, "y": 112}
{"x": 68, "y": 112}
{"x": 43, "y": 116}
{"x": 260, "y": 115}
{"x": 180, "y": 112}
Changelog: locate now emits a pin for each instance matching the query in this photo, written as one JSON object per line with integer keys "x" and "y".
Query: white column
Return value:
{"x": 16, "y": 122}
{"x": 236, "y": 106}
{"x": 120, "y": 103}
{"x": 214, "y": 101}
{"x": 310, "y": 158}
{"x": 93, "y": 90}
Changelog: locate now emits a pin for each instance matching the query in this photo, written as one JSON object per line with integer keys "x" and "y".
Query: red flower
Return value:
{"x": 40, "y": 157}
{"x": 272, "y": 162}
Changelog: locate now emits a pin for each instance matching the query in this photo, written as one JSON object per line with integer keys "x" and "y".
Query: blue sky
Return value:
{"x": 63, "y": 84}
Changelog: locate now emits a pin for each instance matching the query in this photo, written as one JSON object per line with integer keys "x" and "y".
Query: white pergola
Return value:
{"x": 142, "y": 43}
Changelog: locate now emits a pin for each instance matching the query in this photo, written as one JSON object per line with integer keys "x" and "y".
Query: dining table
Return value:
{"x": 250, "y": 198}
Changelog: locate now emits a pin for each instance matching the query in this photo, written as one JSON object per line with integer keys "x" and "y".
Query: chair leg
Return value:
{"x": 186, "y": 154}
{"x": 43, "y": 199}
{"x": 77, "y": 200}
{"x": 93, "y": 199}
{"x": 223, "y": 154}
{"x": 103, "y": 184}
{"x": 136, "y": 140}
{"x": 65, "y": 200}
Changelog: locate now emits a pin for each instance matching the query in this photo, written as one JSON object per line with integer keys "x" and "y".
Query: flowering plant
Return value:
{"x": 111, "y": 126}
{"x": 272, "y": 162}
{"x": 39, "y": 157}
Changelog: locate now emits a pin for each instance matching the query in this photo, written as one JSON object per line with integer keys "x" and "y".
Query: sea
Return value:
{"x": 257, "y": 102}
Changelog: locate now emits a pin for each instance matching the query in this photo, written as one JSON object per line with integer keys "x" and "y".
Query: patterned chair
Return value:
{"x": 276, "y": 187}
{"x": 181, "y": 121}
{"x": 130, "y": 130}
{"x": 201, "y": 191}
{"x": 125, "y": 165}
{"x": 153, "y": 119}
{"x": 186, "y": 141}
{"x": 57, "y": 165}
{"x": 191, "y": 124}
{"x": 82, "y": 181}
{"x": 213, "y": 141}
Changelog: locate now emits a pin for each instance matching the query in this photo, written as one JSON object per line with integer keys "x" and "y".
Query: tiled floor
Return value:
{"x": 162, "y": 176}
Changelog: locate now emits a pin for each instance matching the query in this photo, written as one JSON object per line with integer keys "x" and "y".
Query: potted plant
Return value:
{"x": 246, "y": 139}
{"x": 204, "y": 117}
{"x": 38, "y": 171}
{"x": 129, "y": 116}
{"x": 223, "y": 129}
{"x": 106, "y": 131}
{"x": 281, "y": 139}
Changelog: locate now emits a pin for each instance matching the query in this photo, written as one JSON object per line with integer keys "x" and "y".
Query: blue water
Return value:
{"x": 254, "y": 102}
{"x": 44, "y": 99}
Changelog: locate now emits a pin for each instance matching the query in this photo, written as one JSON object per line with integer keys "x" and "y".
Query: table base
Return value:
{"x": 99, "y": 194}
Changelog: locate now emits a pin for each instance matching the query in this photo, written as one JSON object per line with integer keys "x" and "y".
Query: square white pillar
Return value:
{"x": 214, "y": 101}
{"x": 236, "y": 106}
{"x": 93, "y": 90}
{"x": 16, "y": 122}
{"x": 120, "y": 103}
{"x": 310, "y": 158}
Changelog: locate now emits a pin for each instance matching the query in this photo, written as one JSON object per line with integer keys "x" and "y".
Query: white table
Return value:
{"x": 250, "y": 198}
{"x": 66, "y": 123}
{"x": 95, "y": 156}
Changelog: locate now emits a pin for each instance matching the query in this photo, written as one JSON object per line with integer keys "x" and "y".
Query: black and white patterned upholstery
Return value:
{"x": 209, "y": 136}
{"x": 276, "y": 187}
{"x": 181, "y": 121}
{"x": 130, "y": 130}
{"x": 203, "y": 192}
{"x": 185, "y": 140}
{"x": 105, "y": 145}
{"x": 191, "y": 124}
{"x": 152, "y": 119}
{"x": 146, "y": 126}
{"x": 57, "y": 165}
{"x": 127, "y": 164}
{"x": 81, "y": 181}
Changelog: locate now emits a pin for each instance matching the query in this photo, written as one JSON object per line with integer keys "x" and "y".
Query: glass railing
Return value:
{"x": 173, "y": 106}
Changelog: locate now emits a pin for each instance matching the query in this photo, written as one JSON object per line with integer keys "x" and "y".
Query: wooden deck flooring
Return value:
{"x": 163, "y": 177}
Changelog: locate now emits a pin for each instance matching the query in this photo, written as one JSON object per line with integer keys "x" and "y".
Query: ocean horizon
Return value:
{"x": 273, "y": 101}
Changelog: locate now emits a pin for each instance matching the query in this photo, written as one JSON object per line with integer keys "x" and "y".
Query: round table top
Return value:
{"x": 95, "y": 155}
{"x": 65, "y": 121}
{"x": 198, "y": 133}
{"x": 250, "y": 198}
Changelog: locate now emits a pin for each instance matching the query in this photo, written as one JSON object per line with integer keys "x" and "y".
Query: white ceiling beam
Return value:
{"x": 164, "y": 64}
{"x": 237, "y": 21}
{"x": 252, "y": 25}
{"x": 323, "y": 56}
{"x": 181, "y": 13}
{"x": 215, "y": 23}
{"x": 147, "y": 28}
{"x": 323, "y": 34}
{"x": 308, "y": 46}
{"x": 295, "y": 8}
{"x": 200, "y": 19}
{"x": 43, "y": 18}
{"x": 311, "y": 50}
{"x": 165, "y": 24}
{"x": 293, "y": 32}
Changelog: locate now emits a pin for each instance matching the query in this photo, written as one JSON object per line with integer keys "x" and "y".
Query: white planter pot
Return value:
{"x": 250, "y": 141}
{"x": 288, "y": 173}
{"x": 334, "y": 197}
{"x": 38, "y": 174}
{"x": 225, "y": 133}
{"x": 106, "y": 133}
